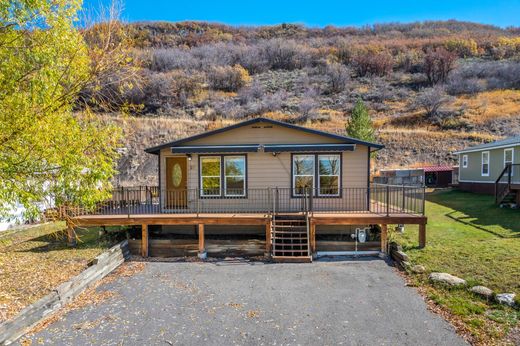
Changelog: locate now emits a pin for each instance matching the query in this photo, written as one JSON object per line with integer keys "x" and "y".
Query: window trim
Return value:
{"x": 225, "y": 176}
{"x": 318, "y": 176}
{"x": 512, "y": 150}
{"x": 222, "y": 194}
{"x": 316, "y": 193}
{"x": 465, "y": 161}
{"x": 482, "y": 164}
{"x": 293, "y": 176}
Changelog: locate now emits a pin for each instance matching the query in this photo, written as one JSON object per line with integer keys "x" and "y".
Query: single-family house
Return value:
{"x": 259, "y": 187}
{"x": 492, "y": 168}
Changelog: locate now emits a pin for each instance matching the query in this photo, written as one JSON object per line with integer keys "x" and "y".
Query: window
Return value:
{"x": 464, "y": 161}
{"x": 223, "y": 175}
{"x": 210, "y": 175}
{"x": 324, "y": 170}
{"x": 303, "y": 173}
{"x": 328, "y": 175}
{"x": 509, "y": 156}
{"x": 235, "y": 175}
{"x": 485, "y": 163}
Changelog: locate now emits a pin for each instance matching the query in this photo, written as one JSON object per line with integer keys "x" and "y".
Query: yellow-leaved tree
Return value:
{"x": 46, "y": 151}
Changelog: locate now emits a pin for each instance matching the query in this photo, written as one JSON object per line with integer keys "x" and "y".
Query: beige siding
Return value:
{"x": 262, "y": 133}
{"x": 267, "y": 171}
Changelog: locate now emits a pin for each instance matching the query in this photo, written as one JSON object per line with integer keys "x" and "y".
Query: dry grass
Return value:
{"x": 37, "y": 260}
{"x": 489, "y": 105}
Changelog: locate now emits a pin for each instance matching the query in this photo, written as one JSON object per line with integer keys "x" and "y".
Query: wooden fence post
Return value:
{"x": 144, "y": 241}
{"x": 422, "y": 236}
{"x": 384, "y": 238}
{"x": 202, "y": 245}
{"x": 268, "y": 238}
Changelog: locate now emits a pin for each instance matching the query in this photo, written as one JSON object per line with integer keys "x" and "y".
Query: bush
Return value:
{"x": 338, "y": 76}
{"x": 372, "y": 62}
{"x": 228, "y": 78}
{"x": 431, "y": 100}
{"x": 164, "y": 91}
{"x": 464, "y": 48}
{"x": 438, "y": 64}
{"x": 476, "y": 76}
{"x": 164, "y": 60}
{"x": 284, "y": 54}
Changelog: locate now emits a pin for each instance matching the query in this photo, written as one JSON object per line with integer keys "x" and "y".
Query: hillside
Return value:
{"x": 431, "y": 87}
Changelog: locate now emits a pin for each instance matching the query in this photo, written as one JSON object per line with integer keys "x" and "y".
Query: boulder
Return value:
{"x": 506, "y": 299}
{"x": 447, "y": 279}
{"x": 418, "y": 269}
{"x": 482, "y": 291}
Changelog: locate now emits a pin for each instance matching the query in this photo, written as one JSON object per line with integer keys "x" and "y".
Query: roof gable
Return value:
{"x": 335, "y": 137}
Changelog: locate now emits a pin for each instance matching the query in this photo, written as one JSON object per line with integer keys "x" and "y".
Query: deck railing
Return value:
{"x": 509, "y": 176}
{"x": 378, "y": 199}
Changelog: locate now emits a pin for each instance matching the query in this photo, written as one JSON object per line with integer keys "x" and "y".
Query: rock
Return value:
{"x": 447, "y": 279}
{"x": 418, "y": 269}
{"x": 506, "y": 299}
{"x": 482, "y": 291}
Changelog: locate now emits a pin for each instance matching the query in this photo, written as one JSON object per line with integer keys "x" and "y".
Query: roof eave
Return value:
{"x": 155, "y": 150}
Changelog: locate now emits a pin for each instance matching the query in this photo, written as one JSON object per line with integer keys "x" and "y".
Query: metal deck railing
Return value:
{"x": 378, "y": 199}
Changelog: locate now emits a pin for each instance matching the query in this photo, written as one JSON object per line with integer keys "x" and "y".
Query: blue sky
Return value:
{"x": 319, "y": 12}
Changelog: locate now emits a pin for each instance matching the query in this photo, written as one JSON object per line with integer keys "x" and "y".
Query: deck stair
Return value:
{"x": 290, "y": 238}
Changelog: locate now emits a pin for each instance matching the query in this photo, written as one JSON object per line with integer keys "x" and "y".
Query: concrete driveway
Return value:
{"x": 352, "y": 302}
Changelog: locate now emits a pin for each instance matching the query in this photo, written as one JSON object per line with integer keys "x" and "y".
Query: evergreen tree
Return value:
{"x": 360, "y": 125}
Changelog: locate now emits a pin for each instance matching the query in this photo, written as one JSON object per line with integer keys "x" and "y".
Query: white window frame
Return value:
{"x": 482, "y": 164}
{"x": 327, "y": 175}
{"x": 210, "y": 176}
{"x": 234, "y": 176}
{"x": 512, "y": 150}
{"x": 464, "y": 161}
{"x": 294, "y": 175}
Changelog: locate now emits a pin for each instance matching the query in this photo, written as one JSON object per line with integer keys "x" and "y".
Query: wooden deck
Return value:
{"x": 263, "y": 219}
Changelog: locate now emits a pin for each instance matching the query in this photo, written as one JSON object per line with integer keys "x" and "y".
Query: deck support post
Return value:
{"x": 202, "y": 245}
{"x": 312, "y": 235}
{"x": 384, "y": 238}
{"x": 422, "y": 236}
{"x": 268, "y": 238}
{"x": 144, "y": 240}
{"x": 71, "y": 235}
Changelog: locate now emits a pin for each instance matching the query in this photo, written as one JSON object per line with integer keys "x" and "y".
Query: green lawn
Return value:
{"x": 468, "y": 236}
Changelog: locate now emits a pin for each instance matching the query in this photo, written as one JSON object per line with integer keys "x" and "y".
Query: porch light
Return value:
{"x": 188, "y": 156}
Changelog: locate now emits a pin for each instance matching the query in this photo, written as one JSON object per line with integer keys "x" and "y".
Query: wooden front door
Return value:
{"x": 176, "y": 182}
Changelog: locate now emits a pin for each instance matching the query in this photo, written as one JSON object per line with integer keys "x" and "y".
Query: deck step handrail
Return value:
{"x": 502, "y": 188}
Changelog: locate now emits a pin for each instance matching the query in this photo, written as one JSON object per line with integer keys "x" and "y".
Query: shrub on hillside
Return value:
{"x": 476, "y": 76}
{"x": 164, "y": 91}
{"x": 338, "y": 76}
{"x": 431, "y": 100}
{"x": 437, "y": 65}
{"x": 372, "y": 62}
{"x": 228, "y": 78}
{"x": 284, "y": 54}
{"x": 163, "y": 60}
